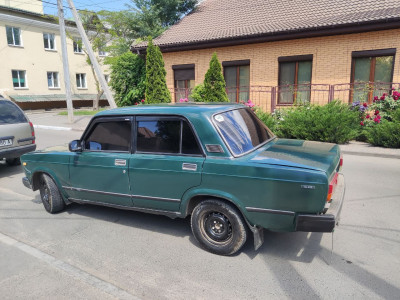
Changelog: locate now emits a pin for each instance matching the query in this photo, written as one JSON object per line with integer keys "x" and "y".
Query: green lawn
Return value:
{"x": 82, "y": 112}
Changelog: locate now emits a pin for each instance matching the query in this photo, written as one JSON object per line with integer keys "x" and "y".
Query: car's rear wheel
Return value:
{"x": 51, "y": 197}
{"x": 218, "y": 227}
{"x": 13, "y": 161}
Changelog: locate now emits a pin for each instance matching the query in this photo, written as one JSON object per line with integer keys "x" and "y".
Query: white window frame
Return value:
{"x": 53, "y": 37}
{"x": 77, "y": 48}
{"x": 55, "y": 80}
{"x": 19, "y": 87}
{"x": 13, "y": 36}
{"x": 81, "y": 80}
{"x": 102, "y": 53}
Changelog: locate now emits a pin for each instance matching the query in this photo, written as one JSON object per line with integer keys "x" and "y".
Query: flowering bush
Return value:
{"x": 183, "y": 100}
{"x": 141, "y": 102}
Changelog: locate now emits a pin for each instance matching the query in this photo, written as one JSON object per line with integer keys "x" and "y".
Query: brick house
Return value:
{"x": 277, "y": 53}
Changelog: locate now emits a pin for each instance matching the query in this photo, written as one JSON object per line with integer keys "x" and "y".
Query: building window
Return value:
{"x": 77, "y": 45}
{"x": 13, "y": 36}
{"x": 237, "y": 78}
{"x": 52, "y": 80}
{"x": 81, "y": 80}
{"x": 371, "y": 74}
{"x": 183, "y": 81}
{"x": 19, "y": 78}
{"x": 49, "y": 42}
{"x": 294, "y": 79}
{"x": 102, "y": 52}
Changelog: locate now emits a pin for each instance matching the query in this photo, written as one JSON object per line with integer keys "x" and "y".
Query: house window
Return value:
{"x": 183, "y": 81}
{"x": 49, "y": 43}
{"x": 372, "y": 73}
{"x": 52, "y": 80}
{"x": 102, "y": 52}
{"x": 77, "y": 45}
{"x": 294, "y": 79}
{"x": 13, "y": 36}
{"x": 237, "y": 78}
{"x": 19, "y": 78}
{"x": 81, "y": 80}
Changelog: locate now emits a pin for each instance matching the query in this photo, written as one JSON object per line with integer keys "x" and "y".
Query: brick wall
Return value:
{"x": 331, "y": 58}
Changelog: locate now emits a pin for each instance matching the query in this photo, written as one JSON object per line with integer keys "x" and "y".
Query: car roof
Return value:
{"x": 172, "y": 109}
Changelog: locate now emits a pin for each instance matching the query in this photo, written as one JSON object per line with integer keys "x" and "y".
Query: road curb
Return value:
{"x": 373, "y": 154}
{"x": 59, "y": 128}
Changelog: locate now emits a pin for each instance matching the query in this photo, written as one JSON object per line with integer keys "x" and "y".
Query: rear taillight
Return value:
{"x": 332, "y": 186}
{"x": 341, "y": 161}
{"x": 33, "y": 132}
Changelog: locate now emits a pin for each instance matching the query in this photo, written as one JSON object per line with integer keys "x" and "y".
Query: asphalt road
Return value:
{"x": 89, "y": 252}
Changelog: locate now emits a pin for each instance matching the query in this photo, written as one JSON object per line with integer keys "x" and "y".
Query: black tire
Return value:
{"x": 218, "y": 227}
{"x": 13, "y": 161}
{"x": 51, "y": 197}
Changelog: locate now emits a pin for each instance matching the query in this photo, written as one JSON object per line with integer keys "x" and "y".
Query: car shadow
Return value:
{"x": 7, "y": 171}
{"x": 156, "y": 223}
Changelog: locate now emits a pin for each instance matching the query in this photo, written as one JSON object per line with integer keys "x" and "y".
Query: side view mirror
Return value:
{"x": 75, "y": 146}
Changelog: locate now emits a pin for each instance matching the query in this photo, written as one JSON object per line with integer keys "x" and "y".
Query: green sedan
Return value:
{"x": 217, "y": 163}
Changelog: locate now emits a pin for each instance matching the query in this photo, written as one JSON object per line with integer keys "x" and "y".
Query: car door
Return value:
{"x": 167, "y": 162}
{"x": 99, "y": 173}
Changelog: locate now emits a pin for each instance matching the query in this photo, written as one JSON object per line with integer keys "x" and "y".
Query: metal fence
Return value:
{"x": 269, "y": 98}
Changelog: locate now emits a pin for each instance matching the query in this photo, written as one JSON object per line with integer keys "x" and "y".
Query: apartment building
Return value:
{"x": 30, "y": 52}
{"x": 279, "y": 53}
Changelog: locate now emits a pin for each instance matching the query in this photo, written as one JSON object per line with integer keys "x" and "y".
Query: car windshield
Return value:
{"x": 242, "y": 130}
{"x": 10, "y": 113}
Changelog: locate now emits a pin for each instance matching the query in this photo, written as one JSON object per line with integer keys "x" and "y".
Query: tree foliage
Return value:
{"x": 156, "y": 85}
{"x": 128, "y": 74}
{"x": 214, "y": 82}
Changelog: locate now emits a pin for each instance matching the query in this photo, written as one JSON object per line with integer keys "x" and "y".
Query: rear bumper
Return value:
{"x": 324, "y": 222}
{"x": 15, "y": 152}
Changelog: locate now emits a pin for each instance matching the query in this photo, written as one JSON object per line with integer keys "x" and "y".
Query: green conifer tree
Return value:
{"x": 156, "y": 85}
{"x": 214, "y": 82}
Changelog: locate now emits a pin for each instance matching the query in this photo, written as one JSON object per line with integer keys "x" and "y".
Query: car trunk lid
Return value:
{"x": 300, "y": 154}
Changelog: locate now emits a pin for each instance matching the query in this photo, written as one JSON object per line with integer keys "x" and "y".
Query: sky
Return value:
{"x": 50, "y": 6}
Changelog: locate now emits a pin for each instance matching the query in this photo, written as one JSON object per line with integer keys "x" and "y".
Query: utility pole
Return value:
{"x": 93, "y": 59}
{"x": 67, "y": 81}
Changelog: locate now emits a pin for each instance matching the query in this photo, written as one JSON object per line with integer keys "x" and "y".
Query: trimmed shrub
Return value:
{"x": 265, "y": 117}
{"x": 214, "y": 82}
{"x": 333, "y": 122}
{"x": 156, "y": 85}
{"x": 386, "y": 134}
{"x": 198, "y": 94}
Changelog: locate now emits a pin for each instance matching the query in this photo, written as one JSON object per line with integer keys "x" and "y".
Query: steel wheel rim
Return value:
{"x": 217, "y": 227}
{"x": 45, "y": 193}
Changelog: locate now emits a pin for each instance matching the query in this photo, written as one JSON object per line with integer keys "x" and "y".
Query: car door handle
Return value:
{"x": 120, "y": 162}
{"x": 189, "y": 167}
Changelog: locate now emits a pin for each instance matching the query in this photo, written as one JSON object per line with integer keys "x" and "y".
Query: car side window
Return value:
{"x": 110, "y": 136}
{"x": 166, "y": 136}
{"x": 10, "y": 113}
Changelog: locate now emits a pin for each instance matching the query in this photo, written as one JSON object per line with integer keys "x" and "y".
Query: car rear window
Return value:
{"x": 242, "y": 130}
{"x": 10, "y": 113}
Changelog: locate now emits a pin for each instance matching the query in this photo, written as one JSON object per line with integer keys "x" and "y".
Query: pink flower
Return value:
{"x": 142, "y": 100}
{"x": 384, "y": 95}
{"x": 396, "y": 97}
{"x": 376, "y": 98}
{"x": 379, "y": 117}
{"x": 135, "y": 103}
{"x": 382, "y": 98}
{"x": 376, "y": 112}
{"x": 377, "y": 120}
{"x": 362, "y": 123}
{"x": 249, "y": 103}
{"x": 368, "y": 116}
{"x": 365, "y": 104}
{"x": 183, "y": 100}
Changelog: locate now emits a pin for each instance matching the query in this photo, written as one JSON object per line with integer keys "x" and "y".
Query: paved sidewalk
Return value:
{"x": 52, "y": 121}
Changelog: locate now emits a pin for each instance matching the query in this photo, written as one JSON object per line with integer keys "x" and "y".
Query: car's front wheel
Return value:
{"x": 218, "y": 227}
{"x": 51, "y": 197}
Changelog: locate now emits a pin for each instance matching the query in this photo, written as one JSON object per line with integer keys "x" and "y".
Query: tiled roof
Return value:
{"x": 216, "y": 20}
